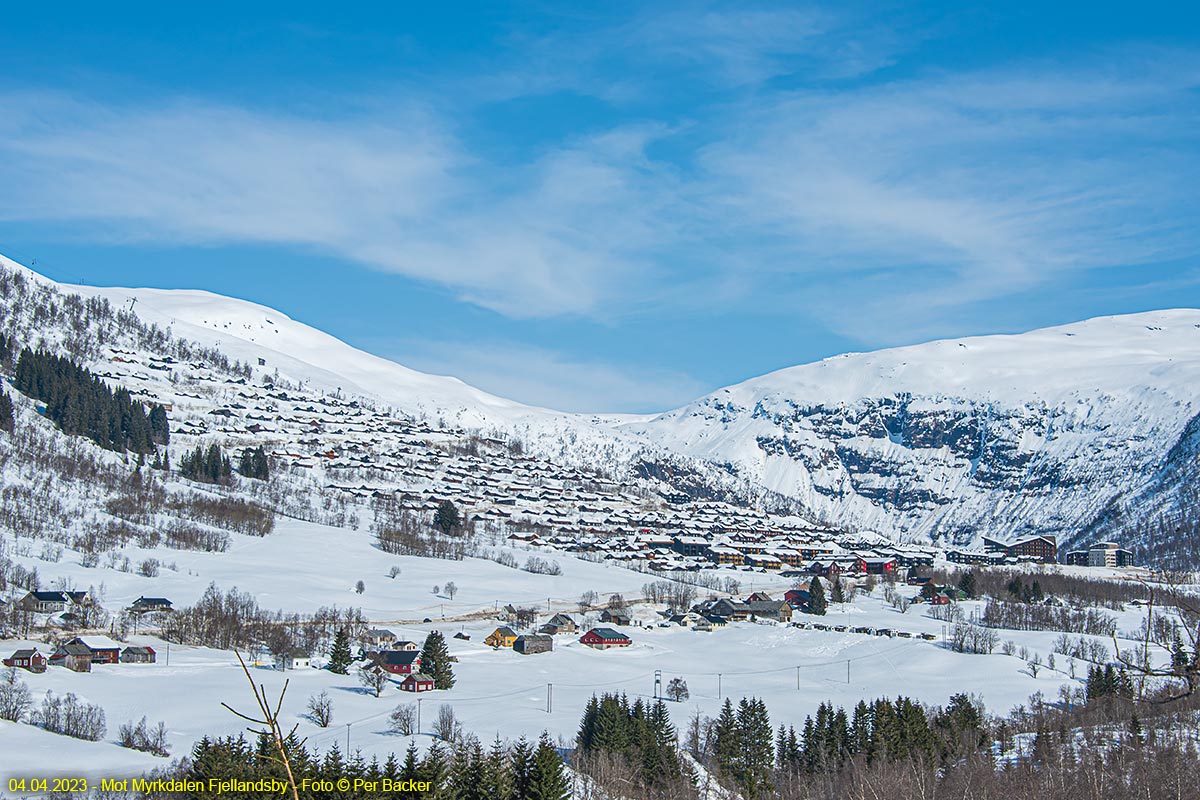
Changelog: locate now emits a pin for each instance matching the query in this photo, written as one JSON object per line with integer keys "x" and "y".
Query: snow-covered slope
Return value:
{"x": 987, "y": 435}
{"x": 270, "y": 342}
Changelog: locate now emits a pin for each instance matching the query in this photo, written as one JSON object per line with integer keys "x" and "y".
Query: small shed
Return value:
{"x": 532, "y": 643}
{"x": 618, "y": 616}
{"x": 417, "y": 682}
{"x": 138, "y": 655}
{"x": 295, "y": 659}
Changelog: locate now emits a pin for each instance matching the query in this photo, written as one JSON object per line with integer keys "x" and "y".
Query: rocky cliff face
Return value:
{"x": 1034, "y": 433}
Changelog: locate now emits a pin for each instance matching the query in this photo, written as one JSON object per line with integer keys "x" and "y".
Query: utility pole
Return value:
{"x": 798, "y": 678}
{"x": 657, "y": 683}
{"x": 847, "y": 671}
{"x": 168, "y": 654}
{"x": 719, "y": 695}
{"x": 418, "y": 715}
{"x": 347, "y": 740}
{"x": 549, "y": 698}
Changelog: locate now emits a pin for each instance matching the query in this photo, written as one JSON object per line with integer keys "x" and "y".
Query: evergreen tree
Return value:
{"x": 496, "y": 782}
{"x": 1136, "y": 732}
{"x": 253, "y": 463}
{"x": 160, "y": 426}
{"x": 966, "y": 584}
{"x": 960, "y": 726}
{"x": 812, "y": 745}
{"x": 547, "y": 777}
{"x": 435, "y": 767}
{"x": 929, "y": 590}
{"x": 7, "y": 417}
{"x": 521, "y": 759}
{"x": 435, "y": 661}
{"x": 816, "y": 597}
{"x": 612, "y": 729}
{"x": 411, "y": 771}
{"x": 838, "y": 742}
{"x": 860, "y": 728}
{"x": 660, "y": 755}
{"x": 1179, "y": 655}
{"x": 727, "y": 739}
{"x": 467, "y": 772}
{"x": 753, "y": 765}
{"x": 340, "y": 657}
{"x": 838, "y": 594}
{"x": 585, "y": 739}
{"x": 206, "y": 465}
{"x": 446, "y": 518}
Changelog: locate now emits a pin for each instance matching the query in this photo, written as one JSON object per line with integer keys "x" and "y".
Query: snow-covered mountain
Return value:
{"x": 995, "y": 435}
{"x": 1069, "y": 430}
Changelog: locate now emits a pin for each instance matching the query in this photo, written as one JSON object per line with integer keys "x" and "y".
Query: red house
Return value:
{"x": 604, "y": 638}
{"x": 417, "y": 682}
{"x": 397, "y": 662}
{"x": 103, "y": 650}
{"x": 29, "y": 659}
{"x": 876, "y": 566}
{"x": 796, "y": 598}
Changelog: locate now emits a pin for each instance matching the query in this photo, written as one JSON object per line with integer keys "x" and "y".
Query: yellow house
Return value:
{"x": 501, "y": 637}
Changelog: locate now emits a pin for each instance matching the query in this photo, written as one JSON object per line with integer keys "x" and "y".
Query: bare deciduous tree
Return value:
{"x": 403, "y": 720}
{"x": 320, "y": 708}
{"x": 446, "y": 726}
{"x": 375, "y": 678}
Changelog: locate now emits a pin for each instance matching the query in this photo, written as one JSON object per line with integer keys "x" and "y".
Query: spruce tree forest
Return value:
{"x": 79, "y": 403}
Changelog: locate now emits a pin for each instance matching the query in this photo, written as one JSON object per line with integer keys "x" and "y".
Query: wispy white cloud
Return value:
{"x": 550, "y": 378}
{"x": 930, "y": 195}
{"x": 564, "y": 234}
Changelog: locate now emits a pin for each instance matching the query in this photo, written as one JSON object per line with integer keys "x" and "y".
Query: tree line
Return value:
{"x": 455, "y": 770}
{"x": 637, "y": 737}
{"x": 233, "y": 620}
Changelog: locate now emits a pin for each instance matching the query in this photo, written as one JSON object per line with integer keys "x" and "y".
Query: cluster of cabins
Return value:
{"x": 80, "y": 653}
{"x": 762, "y": 548}
{"x": 599, "y": 638}
{"x": 56, "y": 602}
{"x": 865, "y": 630}
{"x": 398, "y": 657}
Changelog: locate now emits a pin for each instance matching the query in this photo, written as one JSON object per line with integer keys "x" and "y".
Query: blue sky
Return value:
{"x": 621, "y": 207}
